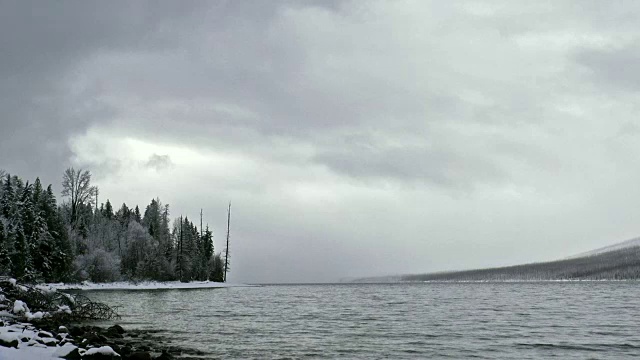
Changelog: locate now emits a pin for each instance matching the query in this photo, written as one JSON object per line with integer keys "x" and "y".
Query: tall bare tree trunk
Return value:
{"x": 226, "y": 252}
{"x": 180, "y": 250}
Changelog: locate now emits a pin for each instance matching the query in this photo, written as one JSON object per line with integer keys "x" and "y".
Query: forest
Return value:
{"x": 622, "y": 264}
{"x": 77, "y": 239}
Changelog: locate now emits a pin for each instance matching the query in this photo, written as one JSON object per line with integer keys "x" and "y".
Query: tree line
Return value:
{"x": 77, "y": 240}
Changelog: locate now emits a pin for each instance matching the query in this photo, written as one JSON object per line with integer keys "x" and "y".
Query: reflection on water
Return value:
{"x": 487, "y": 320}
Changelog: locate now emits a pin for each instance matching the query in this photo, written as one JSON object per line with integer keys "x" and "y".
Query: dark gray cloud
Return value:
{"x": 159, "y": 162}
{"x": 346, "y": 133}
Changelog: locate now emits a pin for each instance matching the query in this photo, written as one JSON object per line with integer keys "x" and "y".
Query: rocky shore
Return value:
{"x": 55, "y": 332}
{"x": 88, "y": 342}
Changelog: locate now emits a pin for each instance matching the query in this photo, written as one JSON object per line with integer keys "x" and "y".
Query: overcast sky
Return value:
{"x": 352, "y": 138}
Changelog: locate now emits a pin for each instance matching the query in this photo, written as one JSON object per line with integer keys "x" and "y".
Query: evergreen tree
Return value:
{"x": 217, "y": 268}
{"x": 61, "y": 251}
{"x": 41, "y": 239}
{"x": 7, "y": 201}
{"x": 5, "y": 251}
{"x": 108, "y": 210}
{"x": 137, "y": 216}
{"x": 21, "y": 256}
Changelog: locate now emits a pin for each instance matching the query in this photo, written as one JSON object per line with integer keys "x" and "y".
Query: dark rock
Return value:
{"x": 71, "y": 354}
{"x": 125, "y": 350}
{"x": 144, "y": 348}
{"x": 115, "y": 347}
{"x": 140, "y": 355}
{"x": 114, "y": 335}
{"x": 76, "y": 331}
{"x": 63, "y": 329}
{"x": 116, "y": 328}
{"x": 13, "y": 343}
{"x": 164, "y": 356}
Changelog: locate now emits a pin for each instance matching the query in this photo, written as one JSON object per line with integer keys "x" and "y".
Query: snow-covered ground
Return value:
{"x": 31, "y": 343}
{"x": 144, "y": 285}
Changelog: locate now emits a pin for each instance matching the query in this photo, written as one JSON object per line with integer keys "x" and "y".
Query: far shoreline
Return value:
{"x": 144, "y": 285}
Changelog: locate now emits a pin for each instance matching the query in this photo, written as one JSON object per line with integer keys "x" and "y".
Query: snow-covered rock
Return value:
{"x": 20, "y": 307}
{"x": 64, "y": 350}
{"x": 103, "y": 350}
{"x": 9, "y": 340}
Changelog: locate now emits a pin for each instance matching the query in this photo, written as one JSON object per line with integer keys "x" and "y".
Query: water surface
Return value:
{"x": 428, "y": 320}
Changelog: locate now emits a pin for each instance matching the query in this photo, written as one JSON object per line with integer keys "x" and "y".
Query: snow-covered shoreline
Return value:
{"x": 30, "y": 343}
{"x": 145, "y": 285}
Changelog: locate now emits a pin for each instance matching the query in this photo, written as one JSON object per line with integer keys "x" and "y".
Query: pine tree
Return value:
{"x": 206, "y": 253}
{"x": 61, "y": 251}
{"x": 108, "y": 210}
{"x": 5, "y": 251}
{"x": 21, "y": 256}
{"x": 40, "y": 239}
{"x": 7, "y": 201}
{"x": 137, "y": 215}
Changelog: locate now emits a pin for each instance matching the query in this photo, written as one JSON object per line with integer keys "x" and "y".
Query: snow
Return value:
{"x": 146, "y": 285}
{"x": 19, "y": 307}
{"x": 31, "y": 349}
{"x": 13, "y": 282}
{"x": 39, "y": 315}
{"x": 64, "y": 350}
{"x": 64, "y": 308}
{"x": 9, "y": 336}
{"x": 46, "y": 289}
{"x": 103, "y": 350}
{"x": 27, "y": 353}
{"x": 24, "y": 350}
{"x": 45, "y": 333}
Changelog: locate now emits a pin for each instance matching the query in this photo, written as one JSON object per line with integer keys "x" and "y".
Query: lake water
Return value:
{"x": 434, "y": 320}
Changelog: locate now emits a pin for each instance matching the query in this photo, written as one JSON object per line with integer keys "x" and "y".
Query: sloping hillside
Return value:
{"x": 618, "y": 264}
{"x": 621, "y": 245}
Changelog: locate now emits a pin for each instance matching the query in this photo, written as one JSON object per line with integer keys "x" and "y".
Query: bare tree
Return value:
{"x": 226, "y": 251}
{"x": 76, "y": 184}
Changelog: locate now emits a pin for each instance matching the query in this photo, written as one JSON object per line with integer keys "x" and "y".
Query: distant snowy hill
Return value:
{"x": 620, "y": 261}
{"x": 621, "y": 245}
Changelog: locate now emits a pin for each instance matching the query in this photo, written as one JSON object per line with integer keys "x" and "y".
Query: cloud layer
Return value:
{"x": 352, "y": 138}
